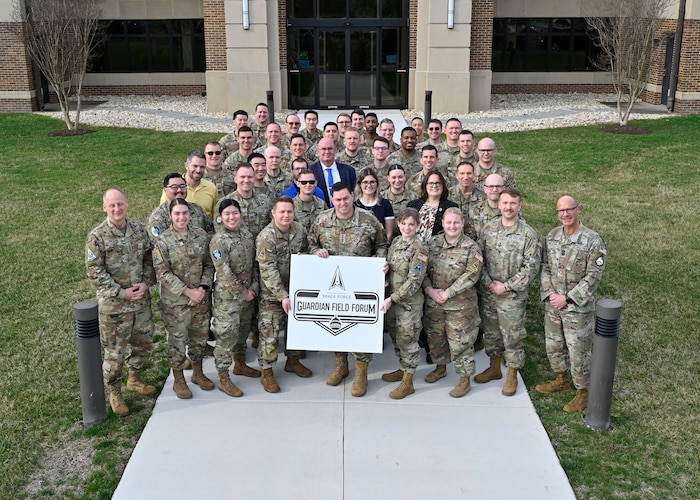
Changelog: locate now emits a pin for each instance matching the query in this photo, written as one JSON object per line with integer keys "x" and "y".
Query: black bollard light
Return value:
{"x": 428, "y": 107}
{"x": 604, "y": 356}
{"x": 87, "y": 341}
{"x": 271, "y": 105}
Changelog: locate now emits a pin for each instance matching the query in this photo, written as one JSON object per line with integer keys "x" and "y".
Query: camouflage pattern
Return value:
{"x": 452, "y": 327}
{"x": 383, "y": 174}
{"x": 233, "y": 255}
{"x": 363, "y": 159}
{"x": 258, "y": 130}
{"x": 398, "y": 202}
{"x": 278, "y": 184}
{"x": 361, "y": 235}
{"x": 255, "y": 212}
{"x": 305, "y": 212}
{"x": 440, "y": 147}
{"x": 408, "y": 264}
{"x": 116, "y": 261}
{"x": 223, "y": 179}
{"x": 233, "y": 160}
{"x": 159, "y": 220}
{"x": 181, "y": 262}
{"x": 476, "y": 199}
{"x": 411, "y": 164}
{"x": 266, "y": 191}
{"x": 479, "y": 215}
{"x": 274, "y": 249}
{"x": 512, "y": 255}
{"x": 229, "y": 143}
{"x": 312, "y": 137}
{"x": 480, "y": 175}
{"x": 451, "y": 166}
{"x": 572, "y": 265}
{"x": 367, "y": 141}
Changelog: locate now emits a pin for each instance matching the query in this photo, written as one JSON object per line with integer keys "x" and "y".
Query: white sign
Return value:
{"x": 335, "y": 304}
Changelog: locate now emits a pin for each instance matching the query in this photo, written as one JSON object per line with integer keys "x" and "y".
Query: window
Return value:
{"x": 152, "y": 46}
{"x": 548, "y": 44}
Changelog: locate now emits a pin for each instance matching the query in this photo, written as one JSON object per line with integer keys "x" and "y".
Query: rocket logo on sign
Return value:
{"x": 334, "y": 309}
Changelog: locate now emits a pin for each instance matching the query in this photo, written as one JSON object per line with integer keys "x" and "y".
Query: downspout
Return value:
{"x": 675, "y": 65}
{"x": 450, "y": 14}
{"x": 246, "y": 19}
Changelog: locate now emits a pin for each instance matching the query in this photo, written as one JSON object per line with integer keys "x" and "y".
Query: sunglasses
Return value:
{"x": 306, "y": 183}
{"x": 212, "y": 153}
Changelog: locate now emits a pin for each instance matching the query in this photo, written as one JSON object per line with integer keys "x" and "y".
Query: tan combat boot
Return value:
{"x": 134, "y": 383}
{"x": 493, "y": 372}
{"x": 463, "y": 387}
{"x": 241, "y": 368}
{"x": 359, "y": 383}
{"x": 559, "y": 384}
{"x": 579, "y": 402}
{"x": 268, "y": 381}
{"x": 293, "y": 365}
{"x": 511, "y": 384}
{"x": 405, "y": 387}
{"x": 394, "y": 376}
{"x": 180, "y": 386}
{"x": 228, "y": 387}
{"x": 116, "y": 400}
{"x": 199, "y": 378}
{"x": 340, "y": 370}
{"x": 439, "y": 372}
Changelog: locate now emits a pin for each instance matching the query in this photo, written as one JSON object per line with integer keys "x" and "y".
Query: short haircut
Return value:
{"x": 173, "y": 175}
{"x": 212, "y": 143}
{"x": 417, "y": 118}
{"x": 407, "y": 213}
{"x": 328, "y": 124}
{"x": 360, "y": 112}
{"x": 466, "y": 132}
{"x": 239, "y": 112}
{"x": 435, "y": 120}
{"x": 339, "y": 186}
{"x": 297, "y": 136}
{"x": 282, "y": 199}
{"x": 306, "y": 171}
{"x": 513, "y": 193}
{"x": 245, "y": 128}
{"x": 465, "y": 163}
{"x": 301, "y": 160}
{"x": 454, "y": 119}
{"x": 261, "y": 104}
{"x": 196, "y": 153}
{"x": 252, "y": 156}
{"x": 429, "y": 147}
{"x": 311, "y": 112}
{"x": 351, "y": 129}
{"x": 371, "y": 114}
{"x": 408, "y": 129}
{"x": 387, "y": 120}
{"x": 381, "y": 139}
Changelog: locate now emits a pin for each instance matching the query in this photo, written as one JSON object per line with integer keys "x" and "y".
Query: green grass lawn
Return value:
{"x": 639, "y": 192}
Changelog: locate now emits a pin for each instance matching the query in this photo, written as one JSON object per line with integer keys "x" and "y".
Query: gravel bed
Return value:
{"x": 508, "y": 113}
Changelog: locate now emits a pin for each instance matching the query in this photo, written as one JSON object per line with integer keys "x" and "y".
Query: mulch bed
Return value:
{"x": 626, "y": 129}
{"x": 70, "y": 133}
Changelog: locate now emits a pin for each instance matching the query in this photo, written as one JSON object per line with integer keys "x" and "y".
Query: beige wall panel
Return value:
{"x": 238, "y": 38}
{"x": 132, "y": 10}
{"x": 450, "y": 92}
{"x": 542, "y": 8}
{"x": 256, "y": 11}
{"x": 448, "y": 59}
{"x": 162, "y": 9}
{"x": 109, "y": 10}
{"x": 217, "y": 93}
{"x": 597, "y": 77}
{"x": 246, "y": 60}
{"x": 187, "y": 9}
{"x": 692, "y": 10}
{"x": 246, "y": 90}
{"x": 480, "y": 90}
{"x": 17, "y": 94}
{"x": 459, "y": 36}
{"x": 438, "y": 11}
{"x": 5, "y": 10}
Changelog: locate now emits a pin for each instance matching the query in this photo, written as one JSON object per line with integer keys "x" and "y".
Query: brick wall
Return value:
{"x": 689, "y": 68}
{"x": 15, "y": 71}
{"x": 482, "y": 35}
{"x": 412, "y": 32}
{"x": 174, "y": 90}
{"x": 282, "y": 26}
{"x": 550, "y": 88}
{"x": 214, "y": 34}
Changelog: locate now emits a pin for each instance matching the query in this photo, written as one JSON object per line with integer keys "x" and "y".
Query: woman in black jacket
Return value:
{"x": 431, "y": 205}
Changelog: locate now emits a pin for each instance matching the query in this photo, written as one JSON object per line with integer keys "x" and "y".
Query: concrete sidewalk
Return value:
{"x": 313, "y": 441}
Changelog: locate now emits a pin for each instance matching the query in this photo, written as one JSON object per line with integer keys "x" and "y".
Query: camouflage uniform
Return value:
{"x": 258, "y": 130}
{"x": 452, "y": 163}
{"x": 182, "y": 261}
{"x": 116, "y": 261}
{"x": 266, "y": 191}
{"x": 278, "y": 184}
{"x": 312, "y": 137}
{"x": 572, "y": 265}
{"x": 361, "y": 235}
{"x": 229, "y": 143}
{"x": 479, "y": 215}
{"x": 233, "y": 160}
{"x": 233, "y": 255}
{"x": 408, "y": 263}
{"x": 159, "y": 220}
{"x": 305, "y": 212}
{"x": 452, "y": 327}
{"x": 255, "y": 212}
{"x": 411, "y": 164}
{"x": 383, "y": 174}
{"x": 476, "y": 199}
{"x": 440, "y": 147}
{"x": 367, "y": 141}
{"x": 363, "y": 159}
{"x": 398, "y": 202}
{"x": 480, "y": 175}
{"x": 273, "y": 253}
{"x": 223, "y": 179}
{"x": 512, "y": 255}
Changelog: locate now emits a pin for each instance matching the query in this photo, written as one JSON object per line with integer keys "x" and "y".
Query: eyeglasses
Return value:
{"x": 368, "y": 183}
{"x": 212, "y": 153}
{"x": 487, "y": 150}
{"x": 567, "y": 210}
{"x": 306, "y": 183}
{"x": 434, "y": 184}
{"x": 493, "y": 186}
{"x": 343, "y": 123}
{"x": 380, "y": 148}
{"x": 175, "y": 187}
{"x": 294, "y": 123}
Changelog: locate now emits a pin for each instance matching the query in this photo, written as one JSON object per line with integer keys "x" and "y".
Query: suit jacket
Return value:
{"x": 347, "y": 175}
{"x": 444, "y": 205}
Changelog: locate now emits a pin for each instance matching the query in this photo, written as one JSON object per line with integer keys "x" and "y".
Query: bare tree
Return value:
{"x": 625, "y": 31}
{"x": 60, "y": 35}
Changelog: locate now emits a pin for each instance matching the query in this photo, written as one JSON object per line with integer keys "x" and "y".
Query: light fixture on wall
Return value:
{"x": 450, "y": 14}
{"x": 246, "y": 19}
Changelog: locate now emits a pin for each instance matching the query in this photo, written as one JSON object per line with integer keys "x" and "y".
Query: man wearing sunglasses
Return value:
{"x": 222, "y": 178}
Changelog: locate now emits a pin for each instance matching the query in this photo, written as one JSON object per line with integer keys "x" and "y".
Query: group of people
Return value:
{"x": 444, "y": 214}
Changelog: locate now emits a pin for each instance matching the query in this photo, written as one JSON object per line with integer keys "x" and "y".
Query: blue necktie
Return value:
{"x": 330, "y": 184}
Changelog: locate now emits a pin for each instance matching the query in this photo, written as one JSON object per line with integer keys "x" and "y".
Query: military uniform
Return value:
{"x": 115, "y": 261}
{"x": 233, "y": 255}
{"x": 408, "y": 263}
{"x": 452, "y": 327}
{"x": 479, "y": 215}
{"x": 572, "y": 265}
{"x": 399, "y": 202}
{"x": 363, "y": 159}
{"x": 453, "y": 161}
{"x": 480, "y": 175}
{"x": 411, "y": 164}
{"x": 367, "y": 141}
{"x": 255, "y": 212}
{"x": 305, "y": 212}
{"x": 223, "y": 179}
{"x": 181, "y": 262}
{"x": 361, "y": 235}
{"x": 233, "y": 160}
{"x": 273, "y": 254}
{"x": 312, "y": 137}
{"x": 159, "y": 220}
{"x": 474, "y": 201}
{"x": 279, "y": 183}
{"x": 512, "y": 255}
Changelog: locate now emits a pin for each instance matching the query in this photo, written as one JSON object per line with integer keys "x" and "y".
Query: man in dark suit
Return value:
{"x": 328, "y": 172}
